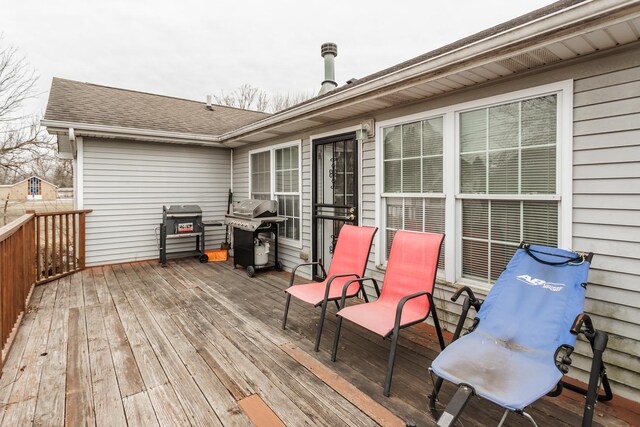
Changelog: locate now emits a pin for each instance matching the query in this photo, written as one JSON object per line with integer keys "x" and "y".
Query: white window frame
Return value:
{"x": 450, "y": 180}
{"x": 272, "y": 182}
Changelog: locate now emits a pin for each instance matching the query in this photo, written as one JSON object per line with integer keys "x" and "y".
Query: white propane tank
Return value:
{"x": 261, "y": 252}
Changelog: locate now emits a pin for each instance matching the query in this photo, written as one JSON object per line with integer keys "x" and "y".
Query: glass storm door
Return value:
{"x": 335, "y": 193}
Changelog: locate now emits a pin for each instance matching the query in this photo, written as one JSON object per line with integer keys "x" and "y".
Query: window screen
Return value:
{"x": 261, "y": 175}
{"x": 507, "y": 150}
{"x": 287, "y": 192}
{"x": 413, "y": 159}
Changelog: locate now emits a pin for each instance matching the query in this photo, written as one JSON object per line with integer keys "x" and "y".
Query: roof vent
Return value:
{"x": 328, "y": 51}
{"x": 209, "y": 106}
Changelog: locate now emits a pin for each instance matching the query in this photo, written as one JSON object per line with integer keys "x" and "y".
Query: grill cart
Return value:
{"x": 253, "y": 222}
{"x": 180, "y": 222}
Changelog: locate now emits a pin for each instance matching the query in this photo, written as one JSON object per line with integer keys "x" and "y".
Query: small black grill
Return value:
{"x": 182, "y": 222}
{"x": 253, "y": 220}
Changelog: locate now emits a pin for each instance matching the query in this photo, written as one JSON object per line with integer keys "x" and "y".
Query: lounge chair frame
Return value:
{"x": 581, "y": 325}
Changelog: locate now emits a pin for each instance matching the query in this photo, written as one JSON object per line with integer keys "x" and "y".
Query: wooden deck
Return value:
{"x": 201, "y": 344}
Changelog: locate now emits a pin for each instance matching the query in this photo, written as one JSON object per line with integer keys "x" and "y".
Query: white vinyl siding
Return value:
{"x": 606, "y": 214}
{"x": 126, "y": 184}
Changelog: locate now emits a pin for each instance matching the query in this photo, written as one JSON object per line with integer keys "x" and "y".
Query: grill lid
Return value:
{"x": 182, "y": 210}
{"x": 254, "y": 208}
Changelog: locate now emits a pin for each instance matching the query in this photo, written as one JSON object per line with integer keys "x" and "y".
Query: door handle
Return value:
{"x": 352, "y": 214}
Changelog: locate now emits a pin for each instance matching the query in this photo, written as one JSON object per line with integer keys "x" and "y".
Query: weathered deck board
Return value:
{"x": 195, "y": 405}
{"x": 141, "y": 345}
{"x": 50, "y": 406}
{"x": 13, "y": 367}
{"x": 139, "y": 410}
{"x": 79, "y": 399}
{"x": 22, "y": 401}
{"x": 263, "y": 347}
{"x": 106, "y": 393}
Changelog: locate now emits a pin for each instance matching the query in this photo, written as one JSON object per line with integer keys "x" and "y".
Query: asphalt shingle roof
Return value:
{"x": 78, "y": 102}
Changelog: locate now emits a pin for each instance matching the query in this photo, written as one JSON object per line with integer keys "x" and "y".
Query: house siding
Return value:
{"x": 606, "y": 213}
{"x": 606, "y": 200}
{"x": 127, "y": 183}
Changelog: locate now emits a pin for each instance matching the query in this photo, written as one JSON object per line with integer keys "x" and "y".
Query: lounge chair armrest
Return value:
{"x": 582, "y": 319}
{"x": 470, "y": 301}
{"x": 360, "y": 281}
{"x": 598, "y": 340}
{"x": 293, "y": 272}
{"x": 471, "y": 297}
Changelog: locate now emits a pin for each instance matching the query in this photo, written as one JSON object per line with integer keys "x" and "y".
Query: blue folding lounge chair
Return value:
{"x": 521, "y": 340}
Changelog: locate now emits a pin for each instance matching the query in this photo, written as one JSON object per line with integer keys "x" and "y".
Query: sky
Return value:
{"x": 192, "y": 48}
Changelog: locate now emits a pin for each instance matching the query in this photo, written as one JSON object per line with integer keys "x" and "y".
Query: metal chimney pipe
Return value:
{"x": 209, "y": 106}
{"x": 329, "y": 51}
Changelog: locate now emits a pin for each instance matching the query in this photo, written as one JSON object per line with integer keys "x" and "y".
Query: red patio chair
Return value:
{"x": 407, "y": 293}
{"x": 349, "y": 261}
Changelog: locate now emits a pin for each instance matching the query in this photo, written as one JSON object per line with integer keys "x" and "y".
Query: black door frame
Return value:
{"x": 314, "y": 188}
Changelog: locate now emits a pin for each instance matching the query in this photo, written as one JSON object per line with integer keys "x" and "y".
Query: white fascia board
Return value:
{"x": 547, "y": 24}
{"x": 84, "y": 129}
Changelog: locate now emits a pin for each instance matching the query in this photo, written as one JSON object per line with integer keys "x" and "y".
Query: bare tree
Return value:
{"x": 25, "y": 149}
{"x": 246, "y": 97}
{"x": 17, "y": 83}
{"x": 251, "y": 98}
{"x": 281, "y": 102}
{"x": 22, "y": 140}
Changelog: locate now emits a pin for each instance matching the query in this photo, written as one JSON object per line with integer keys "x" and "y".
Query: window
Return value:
{"x": 261, "y": 175}
{"x": 413, "y": 178}
{"x": 33, "y": 187}
{"x": 287, "y": 192}
{"x": 275, "y": 174}
{"x": 490, "y": 173}
{"x": 507, "y": 150}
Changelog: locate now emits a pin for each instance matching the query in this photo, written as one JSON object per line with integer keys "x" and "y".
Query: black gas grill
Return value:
{"x": 253, "y": 222}
{"x": 180, "y": 222}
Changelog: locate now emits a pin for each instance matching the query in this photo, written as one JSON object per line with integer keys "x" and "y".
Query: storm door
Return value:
{"x": 335, "y": 193}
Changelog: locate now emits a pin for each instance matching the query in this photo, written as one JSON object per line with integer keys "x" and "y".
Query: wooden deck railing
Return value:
{"x": 60, "y": 244}
{"x": 34, "y": 249}
{"x": 17, "y": 275}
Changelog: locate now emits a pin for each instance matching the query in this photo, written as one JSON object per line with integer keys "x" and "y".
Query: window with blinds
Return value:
{"x": 413, "y": 181}
{"x": 261, "y": 175}
{"x": 279, "y": 180}
{"x": 507, "y": 150}
{"x": 287, "y": 192}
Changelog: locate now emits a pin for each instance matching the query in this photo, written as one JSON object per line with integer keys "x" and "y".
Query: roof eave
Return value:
{"x": 106, "y": 131}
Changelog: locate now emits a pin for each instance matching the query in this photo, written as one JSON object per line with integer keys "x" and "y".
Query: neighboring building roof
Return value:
{"x": 23, "y": 180}
{"x": 78, "y": 102}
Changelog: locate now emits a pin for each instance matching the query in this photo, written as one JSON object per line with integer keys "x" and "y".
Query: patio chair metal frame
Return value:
{"x": 395, "y": 332}
{"x": 581, "y": 325}
{"x": 323, "y": 304}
